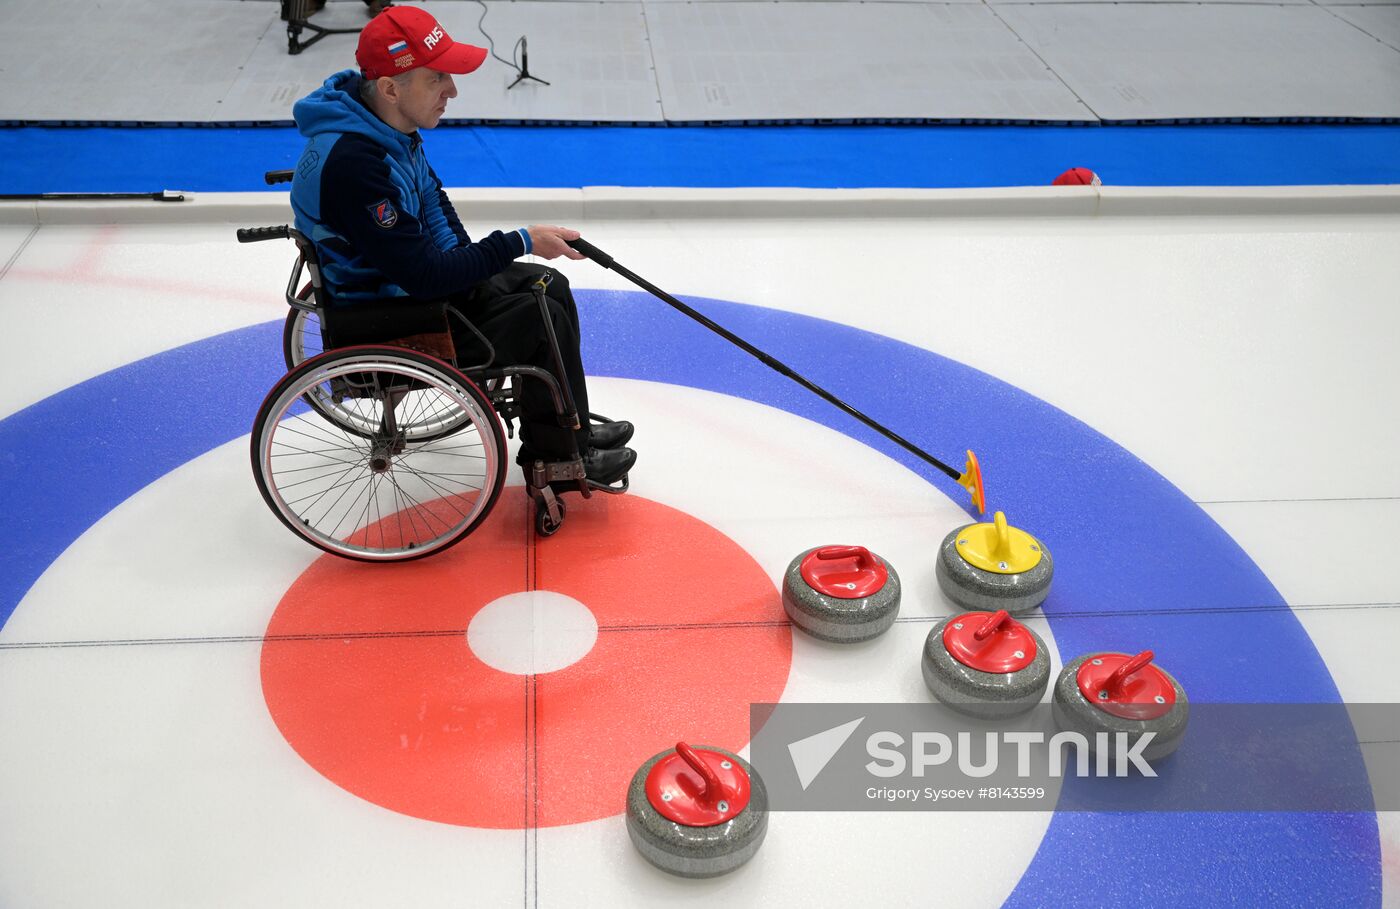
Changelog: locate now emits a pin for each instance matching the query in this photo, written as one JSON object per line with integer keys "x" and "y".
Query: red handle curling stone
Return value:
{"x": 844, "y": 572}
{"x": 990, "y": 642}
{"x": 712, "y": 791}
{"x": 697, "y": 812}
{"x": 842, "y": 594}
{"x": 1126, "y": 686}
{"x": 697, "y": 787}
{"x": 985, "y": 664}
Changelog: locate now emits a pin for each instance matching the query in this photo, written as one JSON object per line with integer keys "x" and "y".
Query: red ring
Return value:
{"x": 367, "y": 672}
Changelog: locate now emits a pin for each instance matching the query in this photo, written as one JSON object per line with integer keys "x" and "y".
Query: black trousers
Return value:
{"x": 504, "y": 310}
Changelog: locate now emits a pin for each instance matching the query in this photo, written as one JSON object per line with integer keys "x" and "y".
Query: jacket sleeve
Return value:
{"x": 362, "y": 202}
{"x": 449, "y": 213}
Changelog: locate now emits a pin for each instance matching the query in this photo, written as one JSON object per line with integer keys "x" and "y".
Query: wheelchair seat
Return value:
{"x": 414, "y": 324}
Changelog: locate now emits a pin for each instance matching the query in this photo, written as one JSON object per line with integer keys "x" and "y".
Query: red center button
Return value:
{"x": 1126, "y": 686}
{"x": 697, "y": 787}
{"x": 990, "y": 642}
{"x": 844, "y": 572}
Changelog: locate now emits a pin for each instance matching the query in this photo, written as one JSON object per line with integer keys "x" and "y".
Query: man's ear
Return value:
{"x": 387, "y": 88}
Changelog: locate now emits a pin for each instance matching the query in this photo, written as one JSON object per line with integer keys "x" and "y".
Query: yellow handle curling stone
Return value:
{"x": 992, "y": 566}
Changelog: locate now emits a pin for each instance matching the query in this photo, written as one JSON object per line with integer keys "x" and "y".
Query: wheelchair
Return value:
{"x": 377, "y": 444}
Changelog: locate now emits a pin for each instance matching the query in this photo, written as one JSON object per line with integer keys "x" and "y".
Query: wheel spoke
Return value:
{"x": 316, "y": 497}
{"x": 446, "y": 496}
{"x": 418, "y": 507}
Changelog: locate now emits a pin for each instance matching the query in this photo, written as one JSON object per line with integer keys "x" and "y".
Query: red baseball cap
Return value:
{"x": 402, "y": 38}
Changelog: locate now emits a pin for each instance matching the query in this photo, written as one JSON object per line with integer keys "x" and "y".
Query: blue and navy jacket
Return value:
{"x": 382, "y": 225}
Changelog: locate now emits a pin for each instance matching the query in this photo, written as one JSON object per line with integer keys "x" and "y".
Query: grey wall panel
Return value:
{"x": 272, "y": 79}
{"x": 594, "y": 55}
{"x": 220, "y": 60}
{"x": 1160, "y": 2}
{"x": 974, "y": 2}
{"x": 1380, "y": 22}
{"x": 744, "y": 61}
{"x": 125, "y": 60}
{"x": 1159, "y": 61}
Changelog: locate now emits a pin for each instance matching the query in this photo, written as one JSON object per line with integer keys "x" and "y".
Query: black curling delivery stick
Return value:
{"x": 607, "y": 261}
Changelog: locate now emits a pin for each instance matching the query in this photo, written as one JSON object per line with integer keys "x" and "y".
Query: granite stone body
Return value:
{"x": 974, "y": 589}
{"x": 696, "y": 851}
{"x": 1074, "y": 713}
{"x": 988, "y": 695}
{"x": 836, "y": 619}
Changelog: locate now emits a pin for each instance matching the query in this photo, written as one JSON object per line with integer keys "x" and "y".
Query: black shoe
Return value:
{"x": 607, "y": 466}
{"x": 609, "y": 435}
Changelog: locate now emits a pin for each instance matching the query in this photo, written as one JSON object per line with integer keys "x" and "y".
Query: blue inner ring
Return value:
{"x": 76, "y": 455}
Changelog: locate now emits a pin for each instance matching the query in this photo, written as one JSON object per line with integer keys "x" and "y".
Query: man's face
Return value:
{"x": 424, "y": 99}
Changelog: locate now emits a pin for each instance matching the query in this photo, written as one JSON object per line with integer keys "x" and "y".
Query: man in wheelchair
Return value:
{"x": 387, "y": 236}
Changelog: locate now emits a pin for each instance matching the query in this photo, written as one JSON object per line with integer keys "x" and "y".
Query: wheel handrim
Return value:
{"x": 383, "y": 495}
{"x": 305, "y": 340}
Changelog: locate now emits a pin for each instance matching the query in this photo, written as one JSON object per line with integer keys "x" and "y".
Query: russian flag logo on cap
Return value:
{"x": 398, "y": 47}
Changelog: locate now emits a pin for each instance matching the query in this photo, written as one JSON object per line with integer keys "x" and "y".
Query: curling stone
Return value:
{"x": 986, "y": 665}
{"x": 841, "y": 593}
{"x": 1119, "y": 692}
{"x": 697, "y": 812}
{"x": 994, "y": 566}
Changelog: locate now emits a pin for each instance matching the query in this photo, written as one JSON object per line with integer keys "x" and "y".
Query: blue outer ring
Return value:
{"x": 101, "y": 441}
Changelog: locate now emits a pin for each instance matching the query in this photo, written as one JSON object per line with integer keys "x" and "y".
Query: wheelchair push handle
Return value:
{"x": 277, "y": 176}
{"x": 256, "y": 234}
{"x": 591, "y": 251}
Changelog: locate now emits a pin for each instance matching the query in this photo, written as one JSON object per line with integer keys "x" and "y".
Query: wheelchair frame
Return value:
{"x": 334, "y": 382}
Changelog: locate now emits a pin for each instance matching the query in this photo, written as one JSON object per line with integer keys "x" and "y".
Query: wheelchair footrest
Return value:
{"x": 618, "y": 490}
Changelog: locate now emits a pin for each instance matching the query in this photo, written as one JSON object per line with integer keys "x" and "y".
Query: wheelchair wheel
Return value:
{"x": 375, "y": 492}
{"x": 301, "y": 341}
